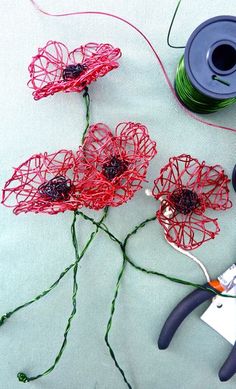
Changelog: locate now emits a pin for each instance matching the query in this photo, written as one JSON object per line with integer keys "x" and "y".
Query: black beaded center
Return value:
{"x": 114, "y": 168}
{"x": 72, "y": 71}
{"x": 184, "y": 200}
{"x": 56, "y": 189}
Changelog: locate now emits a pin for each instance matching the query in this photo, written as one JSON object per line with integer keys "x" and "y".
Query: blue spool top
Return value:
{"x": 234, "y": 178}
{"x": 210, "y": 57}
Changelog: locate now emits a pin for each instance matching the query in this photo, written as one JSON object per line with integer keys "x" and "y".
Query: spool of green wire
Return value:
{"x": 206, "y": 75}
{"x": 192, "y": 98}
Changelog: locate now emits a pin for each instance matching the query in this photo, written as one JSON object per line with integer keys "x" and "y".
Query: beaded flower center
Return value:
{"x": 56, "y": 189}
{"x": 184, "y": 200}
{"x": 114, "y": 168}
{"x": 72, "y": 71}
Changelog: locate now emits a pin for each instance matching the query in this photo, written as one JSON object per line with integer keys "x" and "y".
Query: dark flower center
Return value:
{"x": 56, "y": 189}
{"x": 114, "y": 168}
{"x": 184, "y": 200}
{"x": 72, "y": 71}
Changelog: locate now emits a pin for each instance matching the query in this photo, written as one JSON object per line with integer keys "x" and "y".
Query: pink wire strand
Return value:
{"x": 151, "y": 47}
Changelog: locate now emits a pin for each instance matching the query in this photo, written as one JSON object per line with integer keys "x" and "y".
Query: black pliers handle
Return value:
{"x": 181, "y": 311}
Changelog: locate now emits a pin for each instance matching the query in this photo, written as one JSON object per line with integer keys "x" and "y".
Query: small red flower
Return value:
{"x": 55, "y": 69}
{"x": 186, "y": 189}
{"x": 112, "y": 167}
{"x": 45, "y": 183}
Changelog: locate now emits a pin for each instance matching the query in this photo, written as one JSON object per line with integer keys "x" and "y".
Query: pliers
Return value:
{"x": 224, "y": 283}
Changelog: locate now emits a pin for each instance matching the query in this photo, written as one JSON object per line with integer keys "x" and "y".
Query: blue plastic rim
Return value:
{"x": 210, "y": 57}
{"x": 234, "y": 178}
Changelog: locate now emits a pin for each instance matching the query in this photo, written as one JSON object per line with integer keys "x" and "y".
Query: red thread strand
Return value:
{"x": 208, "y": 186}
{"x": 151, "y": 47}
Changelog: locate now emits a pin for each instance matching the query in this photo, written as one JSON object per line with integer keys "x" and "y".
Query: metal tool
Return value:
{"x": 223, "y": 284}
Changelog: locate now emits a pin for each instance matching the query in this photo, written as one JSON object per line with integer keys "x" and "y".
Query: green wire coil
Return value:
{"x": 194, "y": 100}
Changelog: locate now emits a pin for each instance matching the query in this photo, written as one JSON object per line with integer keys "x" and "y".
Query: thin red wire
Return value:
{"x": 151, "y": 47}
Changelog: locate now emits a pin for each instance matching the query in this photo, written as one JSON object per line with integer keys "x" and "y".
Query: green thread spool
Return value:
{"x": 206, "y": 75}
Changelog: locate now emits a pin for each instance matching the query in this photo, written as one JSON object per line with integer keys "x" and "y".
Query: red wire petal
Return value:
{"x": 188, "y": 231}
{"x": 94, "y": 53}
{"x": 21, "y": 190}
{"x": 181, "y": 171}
{"x": 131, "y": 145}
{"x": 47, "y": 66}
{"x": 98, "y": 145}
{"x": 46, "y": 69}
{"x": 127, "y": 184}
{"x": 134, "y": 138}
{"x": 96, "y": 191}
{"x": 215, "y": 187}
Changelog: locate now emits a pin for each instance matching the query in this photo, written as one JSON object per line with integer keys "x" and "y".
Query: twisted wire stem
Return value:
{"x": 7, "y": 315}
{"x": 113, "y": 304}
{"x": 22, "y": 376}
{"x": 104, "y": 228}
{"x": 109, "y": 324}
{"x": 87, "y": 106}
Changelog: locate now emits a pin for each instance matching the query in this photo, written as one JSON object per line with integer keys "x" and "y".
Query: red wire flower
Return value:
{"x": 186, "y": 188}
{"x": 55, "y": 69}
{"x": 112, "y": 167}
{"x": 45, "y": 183}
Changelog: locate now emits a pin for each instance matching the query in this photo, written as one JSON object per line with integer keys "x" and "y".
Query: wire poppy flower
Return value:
{"x": 55, "y": 69}
{"x": 186, "y": 189}
{"x": 45, "y": 183}
{"x": 113, "y": 167}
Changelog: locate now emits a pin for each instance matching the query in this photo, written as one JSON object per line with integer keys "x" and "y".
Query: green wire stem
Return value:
{"x": 193, "y": 99}
{"x": 109, "y": 324}
{"x": 7, "y": 315}
{"x": 170, "y": 28}
{"x": 104, "y": 228}
{"x": 112, "y": 311}
{"x": 87, "y": 106}
{"x": 22, "y": 376}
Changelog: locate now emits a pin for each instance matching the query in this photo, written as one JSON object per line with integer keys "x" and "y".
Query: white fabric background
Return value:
{"x": 36, "y": 248}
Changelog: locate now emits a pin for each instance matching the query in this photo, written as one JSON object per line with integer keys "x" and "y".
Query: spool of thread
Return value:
{"x": 206, "y": 75}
